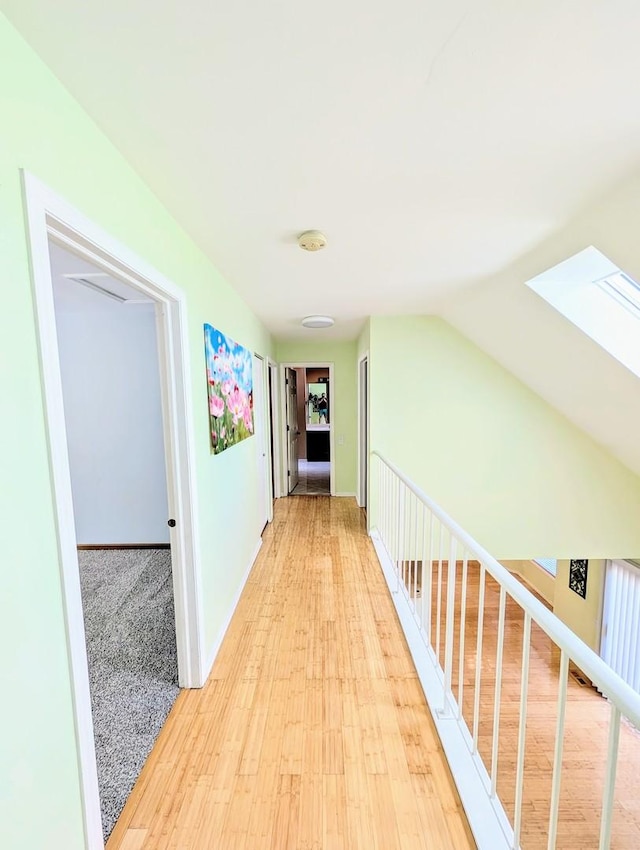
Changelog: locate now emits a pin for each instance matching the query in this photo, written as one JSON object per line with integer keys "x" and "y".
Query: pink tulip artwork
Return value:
{"x": 229, "y": 389}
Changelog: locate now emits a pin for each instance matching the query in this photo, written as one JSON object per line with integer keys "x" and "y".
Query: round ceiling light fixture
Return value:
{"x": 312, "y": 240}
{"x": 317, "y": 322}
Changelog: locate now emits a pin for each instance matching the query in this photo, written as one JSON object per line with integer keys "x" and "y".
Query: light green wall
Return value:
{"x": 584, "y": 616}
{"x": 344, "y": 414}
{"x": 535, "y": 576}
{"x": 45, "y": 132}
{"x": 516, "y": 474}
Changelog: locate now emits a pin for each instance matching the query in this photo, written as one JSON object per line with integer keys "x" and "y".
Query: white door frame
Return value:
{"x": 363, "y": 438}
{"x": 283, "y": 420}
{"x": 273, "y": 436}
{"x": 264, "y": 448}
{"x": 50, "y": 216}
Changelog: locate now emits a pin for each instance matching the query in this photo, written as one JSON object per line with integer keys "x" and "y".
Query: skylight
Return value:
{"x": 600, "y": 299}
{"x": 624, "y": 290}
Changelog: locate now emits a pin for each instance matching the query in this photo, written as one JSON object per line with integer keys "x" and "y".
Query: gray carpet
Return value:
{"x": 133, "y": 670}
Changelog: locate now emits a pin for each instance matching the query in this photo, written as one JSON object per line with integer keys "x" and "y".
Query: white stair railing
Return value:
{"x": 422, "y": 552}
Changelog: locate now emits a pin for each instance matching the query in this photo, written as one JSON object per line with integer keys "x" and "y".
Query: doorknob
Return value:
{"x": 171, "y": 523}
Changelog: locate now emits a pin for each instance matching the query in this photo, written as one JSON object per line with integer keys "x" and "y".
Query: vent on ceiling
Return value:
{"x": 88, "y": 280}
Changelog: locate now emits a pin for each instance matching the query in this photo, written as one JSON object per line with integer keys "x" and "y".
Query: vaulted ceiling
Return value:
{"x": 449, "y": 151}
{"x": 433, "y": 142}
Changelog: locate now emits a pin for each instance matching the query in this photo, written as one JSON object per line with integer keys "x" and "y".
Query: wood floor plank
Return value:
{"x": 311, "y": 732}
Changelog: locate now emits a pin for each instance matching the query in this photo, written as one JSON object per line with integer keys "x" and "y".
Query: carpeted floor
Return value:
{"x": 133, "y": 672}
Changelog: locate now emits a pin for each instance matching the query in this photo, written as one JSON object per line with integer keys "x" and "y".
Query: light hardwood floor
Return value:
{"x": 312, "y": 731}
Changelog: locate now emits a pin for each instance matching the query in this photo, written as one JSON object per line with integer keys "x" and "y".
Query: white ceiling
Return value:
{"x": 433, "y": 142}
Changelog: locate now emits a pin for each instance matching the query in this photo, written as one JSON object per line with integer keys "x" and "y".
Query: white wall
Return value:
{"x": 111, "y": 389}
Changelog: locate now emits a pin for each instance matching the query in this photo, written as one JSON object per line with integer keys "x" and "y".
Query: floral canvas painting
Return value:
{"x": 229, "y": 388}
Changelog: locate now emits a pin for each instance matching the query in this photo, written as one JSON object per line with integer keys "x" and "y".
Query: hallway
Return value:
{"x": 312, "y": 731}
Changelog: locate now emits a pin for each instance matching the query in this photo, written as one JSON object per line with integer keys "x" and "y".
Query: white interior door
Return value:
{"x": 259, "y": 424}
{"x": 293, "y": 431}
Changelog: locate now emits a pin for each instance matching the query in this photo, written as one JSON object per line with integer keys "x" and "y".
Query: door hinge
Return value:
{"x": 286, "y": 382}
{"x": 288, "y": 473}
{"x": 288, "y": 427}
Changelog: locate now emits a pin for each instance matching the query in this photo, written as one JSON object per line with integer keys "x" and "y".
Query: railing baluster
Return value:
{"x": 449, "y": 622}
{"x": 389, "y": 508}
{"x": 427, "y": 576}
{"x": 379, "y": 470}
{"x": 610, "y": 781}
{"x": 414, "y": 573}
{"x": 391, "y": 513}
{"x": 410, "y": 540}
{"x": 557, "y": 756}
{"x": 384, "y": 499}
{"x": 463, "y": 623}
{"x": 423, "y": 561}
{"x": 402, "y": 492}
{"x": 497, "y": 697}
{"x": 417, "y": 535}
{"x": 476, "y": 695}
{"x": 439, "y": 591}
{"x": 522, "y": 728}
{"x": 406, "y": 537}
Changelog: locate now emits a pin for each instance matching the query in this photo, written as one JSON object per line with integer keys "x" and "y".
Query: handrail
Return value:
{"x": 606, "y": 680}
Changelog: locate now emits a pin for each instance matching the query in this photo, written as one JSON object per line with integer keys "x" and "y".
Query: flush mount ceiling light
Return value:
{"x": 317, "y": 322}
{"x": 312, "y": 240}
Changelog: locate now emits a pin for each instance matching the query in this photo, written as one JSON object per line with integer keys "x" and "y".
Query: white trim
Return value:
{"x": 362, "y": 497}
{"x": 349, "y": 495}
{"x": 486, "y": 816}
{"x": 273, "y": 436}
{"x": 50, "y": 216}
{"x": 232, "y": 609}
{"x": 265, "y": 448}
{"x": 324, "y": 364}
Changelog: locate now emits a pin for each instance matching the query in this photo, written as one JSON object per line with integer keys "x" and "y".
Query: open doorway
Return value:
{"x": 51, "y": 220}
{"x": 108, "y": 351}
{"x": 308, "y": 429}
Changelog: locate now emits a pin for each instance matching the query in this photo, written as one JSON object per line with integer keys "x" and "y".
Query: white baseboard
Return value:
{"x": 218, "y": 643}
{"x": 350, "y": 495}
{"x": 487, "y": 818}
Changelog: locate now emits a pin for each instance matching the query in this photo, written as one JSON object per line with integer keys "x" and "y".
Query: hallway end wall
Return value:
{"x": 343, "y": 417}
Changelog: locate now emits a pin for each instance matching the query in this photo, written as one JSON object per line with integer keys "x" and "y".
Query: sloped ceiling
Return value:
{"x": 542, "y": 348}
{"x": 449, "y": 151}
{"x": 433, "y": 142}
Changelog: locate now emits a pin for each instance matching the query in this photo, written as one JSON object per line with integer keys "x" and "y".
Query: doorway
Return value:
{"x": 108, "y": 353}
{"x": 51, "y": 219}
{"x": 309, "y": 434}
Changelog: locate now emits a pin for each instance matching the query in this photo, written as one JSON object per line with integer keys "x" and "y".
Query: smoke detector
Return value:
{"x": 312, "y": 240}
{"x": 317, "y": 322}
